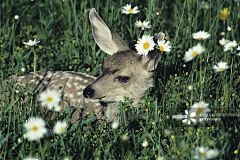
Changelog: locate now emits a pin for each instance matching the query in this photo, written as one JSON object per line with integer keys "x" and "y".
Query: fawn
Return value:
{"x": 124, "y": 73}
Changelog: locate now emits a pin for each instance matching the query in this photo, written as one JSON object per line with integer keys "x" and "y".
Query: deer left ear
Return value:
{"x": 150, "y": 61}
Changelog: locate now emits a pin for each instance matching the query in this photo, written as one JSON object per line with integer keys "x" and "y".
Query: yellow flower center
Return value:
{"x": 194, "y": 54}
{"x": 62, "y": 129}
{"x": 221, "y": 69}
{"x": 35, "y": 128}
{"x": 199, "y": 111}
{"x": 201, "y": 154}
{"x": 49, "y": 99}
{"x": 146, "y": 45}
{"x": 205, "y": 4}
{"x": 201, "y": 38}
{"x": 130, "y": 10}
{"x": 230, "y": 47}
{"x": 161, "y": 48}
{"x": 142, "y": 25}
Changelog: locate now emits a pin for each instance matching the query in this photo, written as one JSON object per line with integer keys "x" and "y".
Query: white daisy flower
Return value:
{"x": 200, "y": 104}
{"x": 145, "y": 143}
{"x": 190, "y": 87}
{"x": 201, "y": 35}
{"x": 202, "y": 153}
{"x": 50, "y": 98}
{"x": 57, "y": 108}
{"x": 221, "y": 66}
{"x": 238, "y": 48}
{"x": 16, "y": 17}
{"x": 230, "y": 45}
{"x": 66, "y": 158}
{"x": 23, "y": 69}
{"x": 125, "y": 137}
{"x": 200, "y": 108}
{"x": 212, "y": 153}
{"x": 191, "y": 117}
{"x": 31, "y": 158}
{"x": 145, "y": 44}
{"x": 164, "y": 46}
{"x": 143, "y": 24}
{"x": 60, "y": 127}
{"x": 115, "y": 125}
{"x": 204, "y": 5}
{"x": 31, "y": 43}
{"x": 193, "y": 52}
{"x": 160, "y": 158}
{"x": 229, "y": 28}
{"x": 223, "y": 41}
{"x": 35, "y": 127}
{"x": 128, "y": 10}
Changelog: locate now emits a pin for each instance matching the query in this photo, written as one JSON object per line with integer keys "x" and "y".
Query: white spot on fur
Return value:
{"x": 39, "y": 76}
{"x": 49, "y": 75}
{"x": 71, "y": 95}
{"x": 69, "y": 85}
{"x": 70, "y": 77}
{"x": 79, "y": 78}
{"x": 75, "y": 83}
{"x": 53, "y": 82}
{"x": 57, "y": 76}
{"x": 75, "y": 100}
{"x": 46, "y": 82}
{"x": 79, "y": 93}
{"x": 80, "y": 87}
{"x": 85, "y": 81}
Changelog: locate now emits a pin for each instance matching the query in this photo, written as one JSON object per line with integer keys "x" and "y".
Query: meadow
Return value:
{"x": 67, "y": 44}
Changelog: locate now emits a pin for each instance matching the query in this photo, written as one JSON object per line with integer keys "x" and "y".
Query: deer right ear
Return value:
{"x": 106, "y": 38}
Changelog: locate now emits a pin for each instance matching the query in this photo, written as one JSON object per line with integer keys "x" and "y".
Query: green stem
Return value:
{"x": 131, "y": 26}
{"x": 34, "y": 67}
{"x": 41, "y": 150}
{"x": 201, "y": 82}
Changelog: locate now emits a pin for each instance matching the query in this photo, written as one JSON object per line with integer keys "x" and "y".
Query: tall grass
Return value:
{"x": 66, "y": 43}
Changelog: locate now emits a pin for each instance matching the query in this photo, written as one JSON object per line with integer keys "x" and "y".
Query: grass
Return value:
{"x": 66, "y": 43}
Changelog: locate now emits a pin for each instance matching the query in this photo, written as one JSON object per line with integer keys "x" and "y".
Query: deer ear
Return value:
{"x": 106, "y": 38}
{"x": 160, "y": 36}
{"x": 150, "y": 61}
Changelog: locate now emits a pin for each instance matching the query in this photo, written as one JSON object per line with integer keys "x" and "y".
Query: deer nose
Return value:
{"x": 88, "y": 92}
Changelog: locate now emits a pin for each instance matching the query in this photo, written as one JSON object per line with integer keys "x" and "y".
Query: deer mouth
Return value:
{"x": 95, "y": 99}
{"x": 112, "y": 99}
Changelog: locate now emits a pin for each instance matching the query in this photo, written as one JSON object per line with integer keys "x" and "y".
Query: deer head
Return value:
{"x": 125, "y": 72}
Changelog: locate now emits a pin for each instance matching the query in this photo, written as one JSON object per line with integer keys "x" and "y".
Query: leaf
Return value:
{"x": 66, "y": 110}
{"x": 89, "y": 120}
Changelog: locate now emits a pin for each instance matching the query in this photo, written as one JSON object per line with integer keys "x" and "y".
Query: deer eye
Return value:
{"x": 123, "y": 79}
